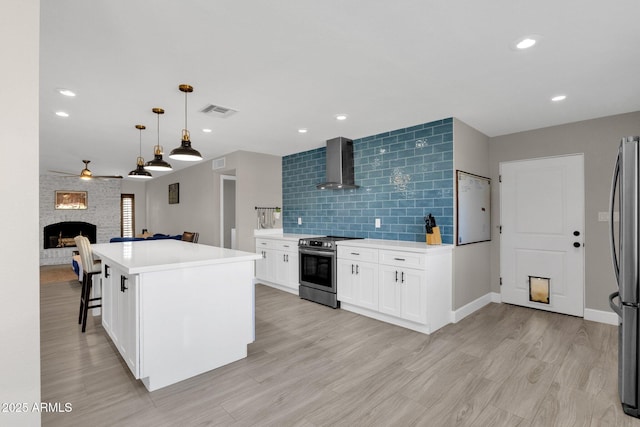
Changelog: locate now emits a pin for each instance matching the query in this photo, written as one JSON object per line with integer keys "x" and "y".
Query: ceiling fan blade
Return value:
{"x": 65, "y": 173}
{"x": 107, "y": 176}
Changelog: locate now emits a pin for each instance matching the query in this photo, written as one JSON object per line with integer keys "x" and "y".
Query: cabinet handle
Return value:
{"x": 123, "y": 279}
{"x": 399, "y": 259}
{"x": 106, "y": 271}
{"x": 351, "y": 268}
{"x": 287, "y": 257}
{"x": 264, "y": 255}
{"x": 396, "y": 276}
{"x": 357, "y": 269}
{"x": 263, "y": 243}
{"x": 355, "y": 253}
{"x": 286, "y": 246}
{"x": 402, "y": 277}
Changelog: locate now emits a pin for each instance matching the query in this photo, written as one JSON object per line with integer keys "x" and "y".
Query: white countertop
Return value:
{"x": 159, "y": 255}
{"x": 396, "y": 245}
{"x": 284, "y": 236}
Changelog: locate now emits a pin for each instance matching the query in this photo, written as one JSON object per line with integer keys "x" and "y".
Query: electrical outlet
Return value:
{"x": 299, "y": 221}
{"x": 377, "y": 222}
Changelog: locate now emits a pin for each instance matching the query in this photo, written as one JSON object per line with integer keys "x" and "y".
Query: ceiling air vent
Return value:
{"x": 219, "y": 163}
{"x": 218, "y": 111}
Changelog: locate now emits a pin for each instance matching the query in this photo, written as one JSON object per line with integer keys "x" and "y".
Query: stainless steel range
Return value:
{"x": 317, "y": 276}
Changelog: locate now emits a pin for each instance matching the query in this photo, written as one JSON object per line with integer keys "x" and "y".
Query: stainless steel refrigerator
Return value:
{"x": 624, "y": 248}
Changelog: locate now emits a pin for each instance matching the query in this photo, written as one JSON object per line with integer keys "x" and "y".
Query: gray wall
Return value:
{"x": 20, "y": 301}
{"x": 598, "y": 139}
{"x": 471, "y": 263}
{"x": 258, "y": 183}
{"x": 196, "y": 204}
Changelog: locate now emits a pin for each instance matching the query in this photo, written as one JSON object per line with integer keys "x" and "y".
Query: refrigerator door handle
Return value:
{"x": 615, "y": 307}
{"x": 614, "y": 254}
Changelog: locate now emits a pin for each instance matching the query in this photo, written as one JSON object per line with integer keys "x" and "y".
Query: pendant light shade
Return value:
{"x": 185, "y": 152}
{"x": 158, "y": 164}
{"x": 139, "y": 172}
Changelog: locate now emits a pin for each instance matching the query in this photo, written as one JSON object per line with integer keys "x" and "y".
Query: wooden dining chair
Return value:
{"x": 189, "y": 236}
{"x": 90, "y": 267}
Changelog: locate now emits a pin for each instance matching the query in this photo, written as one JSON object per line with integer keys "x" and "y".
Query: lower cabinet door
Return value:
{"x": 345, "y": 283}
{"x": 128, "y": 323}
{"x": 366, "y": 288}
{"x": 390, "y": 291}
{"x": 414, "y": 298}
{"x": 107, "y": 298}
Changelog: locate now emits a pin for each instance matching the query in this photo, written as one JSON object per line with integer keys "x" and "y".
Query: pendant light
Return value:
{"x": 158, "y": 164}
{"x": 185, "y": 152}
{"x": 139, "y": 171}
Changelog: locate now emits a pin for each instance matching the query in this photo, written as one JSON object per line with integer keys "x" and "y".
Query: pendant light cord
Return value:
{"x": 185, "y": 111}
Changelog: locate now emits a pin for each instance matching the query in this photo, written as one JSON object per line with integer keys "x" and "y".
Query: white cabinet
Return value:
{"x": 120, "y": 313}
{"x": 128, "y": 321}
{"x": 357, "y": 277}
{"x": 107, "y": 298}
{"x": 286, "y": 265}
{"x": 403, "y": 293}
{"x": 409, "y": 288}
{"x": 279, "y": 264}
{"x": 403, "y": 285}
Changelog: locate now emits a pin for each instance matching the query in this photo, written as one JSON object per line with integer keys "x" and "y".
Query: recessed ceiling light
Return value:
{"x": 66, "y": 92}
{"x": 62, "y": 114}
{"x": 302, "y": 130}
{"x": 207, "y": 130}
{"x": 341, "y": 117}
{"x": 526, "y": 42}
{"x": 559, "y": 98}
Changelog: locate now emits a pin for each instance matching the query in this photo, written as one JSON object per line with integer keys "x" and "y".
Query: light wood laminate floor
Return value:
{"x": 314, "y": 366}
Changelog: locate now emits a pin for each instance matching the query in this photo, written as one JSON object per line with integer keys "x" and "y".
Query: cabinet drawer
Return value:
{"x": 358, "y": 254}
{"x": 264, "y": 244}
{"x": 402, "y": 259}
{"x": 285, "y": 245}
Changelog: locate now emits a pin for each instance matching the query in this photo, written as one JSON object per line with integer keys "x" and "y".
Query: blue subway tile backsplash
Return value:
{"x": 403, "y": 175}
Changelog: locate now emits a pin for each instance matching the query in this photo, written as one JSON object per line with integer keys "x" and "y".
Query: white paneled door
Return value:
{"x": 542, "y": 238}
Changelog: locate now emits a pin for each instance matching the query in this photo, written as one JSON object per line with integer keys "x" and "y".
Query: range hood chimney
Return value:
{"x": 339, "y": 165}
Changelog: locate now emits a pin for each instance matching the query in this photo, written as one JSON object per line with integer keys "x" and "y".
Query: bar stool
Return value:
{"x": 90, "y": 267}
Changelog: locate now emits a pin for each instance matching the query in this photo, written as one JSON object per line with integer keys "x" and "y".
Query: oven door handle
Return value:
{"x": 320, "y": 253}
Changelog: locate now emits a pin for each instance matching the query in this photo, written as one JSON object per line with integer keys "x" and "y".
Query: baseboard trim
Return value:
{"x": 600, "y": 316}
{"x": 473, "y": 306}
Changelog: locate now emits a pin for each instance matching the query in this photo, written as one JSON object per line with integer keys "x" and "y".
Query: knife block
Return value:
{"x": 434, "y": 238}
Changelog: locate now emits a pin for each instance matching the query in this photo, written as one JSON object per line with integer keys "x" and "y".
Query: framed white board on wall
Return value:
{"x": 473, "y": 208}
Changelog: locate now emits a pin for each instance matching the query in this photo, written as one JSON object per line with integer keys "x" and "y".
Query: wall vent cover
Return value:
{"x": 219, "y": 163}
{"x": 217, "y": 111}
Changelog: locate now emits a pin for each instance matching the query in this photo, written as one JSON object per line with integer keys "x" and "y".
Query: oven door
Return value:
{"x": 318, "y": 269}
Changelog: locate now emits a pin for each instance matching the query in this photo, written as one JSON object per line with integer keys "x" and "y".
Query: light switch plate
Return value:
{"x": 299, "y": 221}
{"x": 377, "y": 222}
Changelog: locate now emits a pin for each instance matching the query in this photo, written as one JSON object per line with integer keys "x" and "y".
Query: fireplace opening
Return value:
{"x": 61, "y": 234}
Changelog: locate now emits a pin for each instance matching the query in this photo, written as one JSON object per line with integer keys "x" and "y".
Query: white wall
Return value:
{"x": 19, "y": 284}
{"x": 598, "y": 139}
{"x": 471, "y": 263}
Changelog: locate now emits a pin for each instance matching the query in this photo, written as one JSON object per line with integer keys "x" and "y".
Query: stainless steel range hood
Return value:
{"x": 339, "y": 165}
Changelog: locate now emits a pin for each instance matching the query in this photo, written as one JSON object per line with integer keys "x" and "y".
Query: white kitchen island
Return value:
{"x": 176, "y": 309}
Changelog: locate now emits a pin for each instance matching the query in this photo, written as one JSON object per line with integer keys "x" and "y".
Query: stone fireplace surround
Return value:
{"x": 103, "y": 211}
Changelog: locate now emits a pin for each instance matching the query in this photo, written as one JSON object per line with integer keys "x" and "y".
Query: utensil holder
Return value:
{"x": 434, "y": 238}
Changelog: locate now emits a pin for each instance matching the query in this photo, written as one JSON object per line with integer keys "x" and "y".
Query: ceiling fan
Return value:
{"x": 87, "y": 174}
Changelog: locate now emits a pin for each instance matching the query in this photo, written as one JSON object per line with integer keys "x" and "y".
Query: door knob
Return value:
{"x": 576, "y": 244}
{"x": 576, "y": 233}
